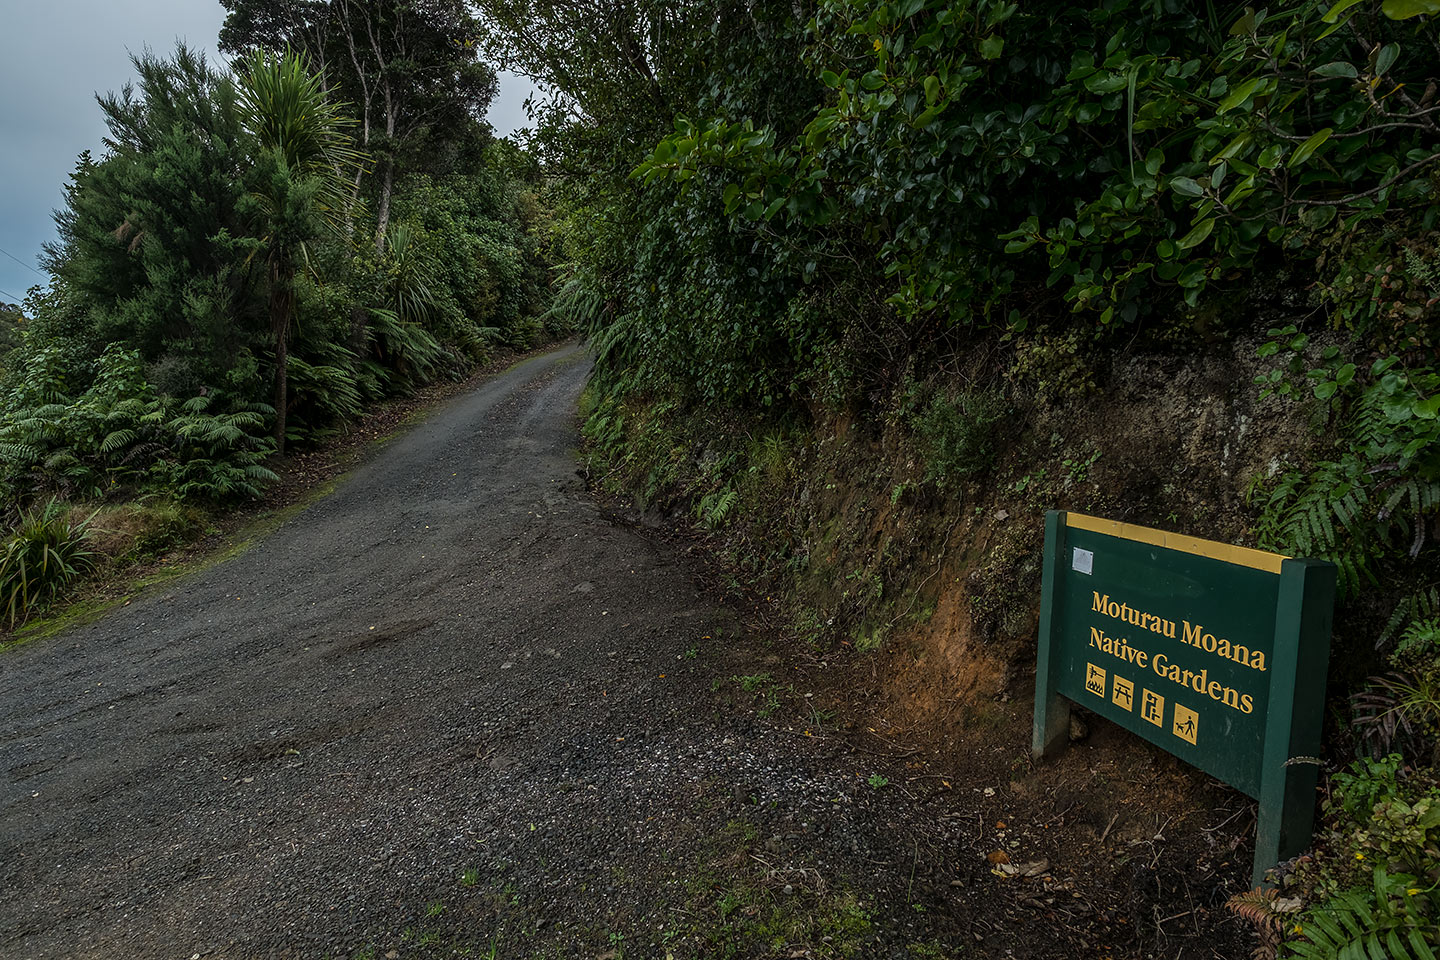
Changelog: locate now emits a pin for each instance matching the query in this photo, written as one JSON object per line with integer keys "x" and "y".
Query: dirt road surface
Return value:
{"x": 455, "y": 709}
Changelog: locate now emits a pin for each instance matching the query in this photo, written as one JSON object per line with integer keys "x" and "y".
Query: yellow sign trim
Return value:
{"x": 1225, "y": 552}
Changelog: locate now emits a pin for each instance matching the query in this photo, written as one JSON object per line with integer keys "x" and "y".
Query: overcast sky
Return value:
{"x": 54, "y": 56}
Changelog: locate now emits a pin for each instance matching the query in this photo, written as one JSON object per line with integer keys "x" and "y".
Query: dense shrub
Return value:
{"x": 119, "y": 433}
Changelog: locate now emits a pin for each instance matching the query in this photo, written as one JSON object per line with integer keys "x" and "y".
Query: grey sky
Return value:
{"x": 54, "y": 56}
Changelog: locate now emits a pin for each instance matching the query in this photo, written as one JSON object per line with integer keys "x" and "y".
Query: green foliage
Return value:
{"x": 148, "y": 252}
{"x": 1377, "y": 497}
{"x": 39, "y": 558}
{"x": 303, "y": 166}
{"x": 491, "y": 276}
{"x": 1200, "y": 144}
{"x": 714, "y": 508}
{"x": 993, "y": 158}
{"x": 1376, "y": 888}
{"x": 215, "y": 455}
{"x": 577, "y": 304}
{"x": 1392, "y": 918}
{"x": 957, "y": 434}
{"x": 406, "y": 349}
{"x": 118, "y": 432}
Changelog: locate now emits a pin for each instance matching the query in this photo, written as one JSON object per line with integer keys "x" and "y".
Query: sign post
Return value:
{"x": 1216, "y": 653}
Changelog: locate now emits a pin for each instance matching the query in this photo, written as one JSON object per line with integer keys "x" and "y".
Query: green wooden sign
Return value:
{"x": 1214, "y": 652}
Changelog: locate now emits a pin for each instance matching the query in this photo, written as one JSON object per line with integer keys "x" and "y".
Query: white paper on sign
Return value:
{"x": 1083, "y": 561}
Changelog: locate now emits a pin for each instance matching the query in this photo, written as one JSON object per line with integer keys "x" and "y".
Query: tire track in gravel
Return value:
{"x": 453, "y": 665}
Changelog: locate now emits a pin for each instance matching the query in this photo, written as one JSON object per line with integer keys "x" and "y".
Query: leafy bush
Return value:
{"x": 957, "y": 434}
{"x": 214, "y": 456}
{"x": 1394, "y": 918}
{"x": 1376, "y": 888}
{"x": 41, "y": 557}
{"x": 119, "y": 433}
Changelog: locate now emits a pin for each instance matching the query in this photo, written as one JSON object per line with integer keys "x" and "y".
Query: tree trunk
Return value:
{"x": 281, "y": 357}
{"x": 282, "y": 304}
{"x": 382, "y": 218}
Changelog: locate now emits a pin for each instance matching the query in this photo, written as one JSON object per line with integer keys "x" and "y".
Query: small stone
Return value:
{"x": 1078, "y": 730}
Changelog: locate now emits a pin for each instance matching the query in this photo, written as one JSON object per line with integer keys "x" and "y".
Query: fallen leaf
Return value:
{"x": 998, "y": 856}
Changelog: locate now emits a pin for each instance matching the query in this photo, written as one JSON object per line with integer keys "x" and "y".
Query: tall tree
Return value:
{"x": 146, "y": 245}
{"x": 411, "y": 67}
{"x": 301, "y": 185}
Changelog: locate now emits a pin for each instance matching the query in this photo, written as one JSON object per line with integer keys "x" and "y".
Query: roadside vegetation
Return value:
{"x": 264, "y": 250}
{"x": 890, "y": 254}
{"x": 863, "y": 281}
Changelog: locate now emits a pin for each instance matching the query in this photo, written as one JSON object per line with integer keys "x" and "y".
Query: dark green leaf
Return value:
{"x": 1386, "y": 58}
{"x": 1303, "y": 152}
{"x": 1334, "y": 12}
{"x": 1197, "y": 235}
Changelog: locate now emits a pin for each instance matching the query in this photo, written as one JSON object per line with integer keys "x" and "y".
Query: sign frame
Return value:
{"x": 1299, "y": 659}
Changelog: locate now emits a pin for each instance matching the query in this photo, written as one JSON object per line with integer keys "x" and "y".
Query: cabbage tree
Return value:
{"x": 306, "y": 161}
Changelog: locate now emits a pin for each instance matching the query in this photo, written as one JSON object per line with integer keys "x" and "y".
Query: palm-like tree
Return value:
{"x": 307, "y": 161}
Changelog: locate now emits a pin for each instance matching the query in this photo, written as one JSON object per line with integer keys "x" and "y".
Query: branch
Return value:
{"x": 1373, "y": 190}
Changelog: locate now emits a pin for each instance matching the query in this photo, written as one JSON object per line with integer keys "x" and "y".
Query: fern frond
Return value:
{"x": 118, "y": 441}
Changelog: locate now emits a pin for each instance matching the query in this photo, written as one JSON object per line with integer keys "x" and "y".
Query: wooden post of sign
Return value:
{"x": 1289, "y": 768}
{"x": 1052, "y": 711}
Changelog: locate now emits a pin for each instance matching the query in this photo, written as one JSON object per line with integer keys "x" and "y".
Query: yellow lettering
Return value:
{"x": 1247, "y": 704}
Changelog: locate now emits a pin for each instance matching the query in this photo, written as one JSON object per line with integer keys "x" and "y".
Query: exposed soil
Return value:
{"x": 459, "y": 707}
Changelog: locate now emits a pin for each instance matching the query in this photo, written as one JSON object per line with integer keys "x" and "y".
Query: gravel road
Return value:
{"x": 454, "y": 708}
